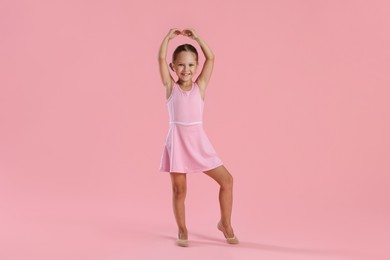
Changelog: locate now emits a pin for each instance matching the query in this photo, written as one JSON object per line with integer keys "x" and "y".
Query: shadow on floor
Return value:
{"x": 200, "y": 240}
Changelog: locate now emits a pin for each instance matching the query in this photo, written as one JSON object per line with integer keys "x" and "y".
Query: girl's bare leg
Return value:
{"x": 179, "y": 191}
{"x": 225, "y": 181}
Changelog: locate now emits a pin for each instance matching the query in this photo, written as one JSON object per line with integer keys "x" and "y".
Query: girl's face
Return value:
{"x": 185, "y": 66}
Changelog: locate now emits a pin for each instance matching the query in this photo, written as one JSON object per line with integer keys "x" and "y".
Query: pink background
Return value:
{"x": 298, "y": 109}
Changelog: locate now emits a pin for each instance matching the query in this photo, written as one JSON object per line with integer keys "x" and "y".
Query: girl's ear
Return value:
{"x": 171, "y": 66}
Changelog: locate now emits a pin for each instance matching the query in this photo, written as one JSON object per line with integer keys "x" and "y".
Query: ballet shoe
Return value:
{"x": 181, "y": 242}
{"x": 230, "y": 240}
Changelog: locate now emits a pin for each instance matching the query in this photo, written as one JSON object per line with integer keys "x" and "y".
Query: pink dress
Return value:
{"x": 187, "y": 148}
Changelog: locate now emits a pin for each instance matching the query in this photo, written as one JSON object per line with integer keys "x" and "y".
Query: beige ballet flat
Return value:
{"x": 182, "y": 242}
{"x": 230, "y": 240}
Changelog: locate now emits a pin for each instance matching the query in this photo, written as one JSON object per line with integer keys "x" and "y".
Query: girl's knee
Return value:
{"x": 179, "y": 191}
{"x": 179, "y": 185}
{"x": 227, "y": 182}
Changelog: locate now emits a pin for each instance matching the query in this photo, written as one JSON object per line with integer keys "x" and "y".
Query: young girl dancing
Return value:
{"x": 187, "y": 148}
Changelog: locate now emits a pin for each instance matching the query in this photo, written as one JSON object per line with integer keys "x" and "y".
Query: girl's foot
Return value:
{"x": 230, "y": 240}
{"x": 182, "y": 239}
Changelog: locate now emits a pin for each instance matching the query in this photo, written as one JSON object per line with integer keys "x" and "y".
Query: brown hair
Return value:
{"x": 184, "y": 47}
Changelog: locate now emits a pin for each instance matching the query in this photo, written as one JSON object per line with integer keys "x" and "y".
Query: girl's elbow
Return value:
{"x": 211, "y": 57}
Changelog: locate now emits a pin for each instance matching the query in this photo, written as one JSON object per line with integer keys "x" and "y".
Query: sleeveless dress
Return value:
{"x": 187, "y": 148}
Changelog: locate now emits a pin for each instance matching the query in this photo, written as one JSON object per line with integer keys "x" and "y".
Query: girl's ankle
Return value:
{"x": 183, "y": 234}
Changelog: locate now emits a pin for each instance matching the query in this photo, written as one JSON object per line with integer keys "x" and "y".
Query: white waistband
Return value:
{"x": 185, "y": 123}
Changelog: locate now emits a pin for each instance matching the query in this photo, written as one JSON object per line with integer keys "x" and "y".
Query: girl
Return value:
{"x": 187, "y": 148}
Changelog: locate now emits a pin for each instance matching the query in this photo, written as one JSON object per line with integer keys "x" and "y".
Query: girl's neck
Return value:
{"x": 186, "y": 84}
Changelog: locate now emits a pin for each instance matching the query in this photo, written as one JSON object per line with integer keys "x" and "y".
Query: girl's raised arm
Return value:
{"x": 166, "y": 77}
{"x": 205, "y": 75}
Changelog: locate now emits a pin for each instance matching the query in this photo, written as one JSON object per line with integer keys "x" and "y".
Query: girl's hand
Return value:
{"x": 173, "y": 33}
{"x": 190, "y": 33}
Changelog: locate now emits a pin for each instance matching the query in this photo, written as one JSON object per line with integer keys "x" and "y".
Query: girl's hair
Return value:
{"x": 184, "y": 47}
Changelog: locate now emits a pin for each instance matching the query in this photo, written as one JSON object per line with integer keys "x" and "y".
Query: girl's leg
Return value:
{"x": 225, "y": 181}
{"x": 179, "y": 190}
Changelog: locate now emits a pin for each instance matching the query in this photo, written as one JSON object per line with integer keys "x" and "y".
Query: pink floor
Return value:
{"x": 60, "y": 224}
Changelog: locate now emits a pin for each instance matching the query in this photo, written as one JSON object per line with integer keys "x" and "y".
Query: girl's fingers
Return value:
{"x": 189, "y": 32}
{"x": 186, "y": 32}
{"x": 174, "y": 32}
